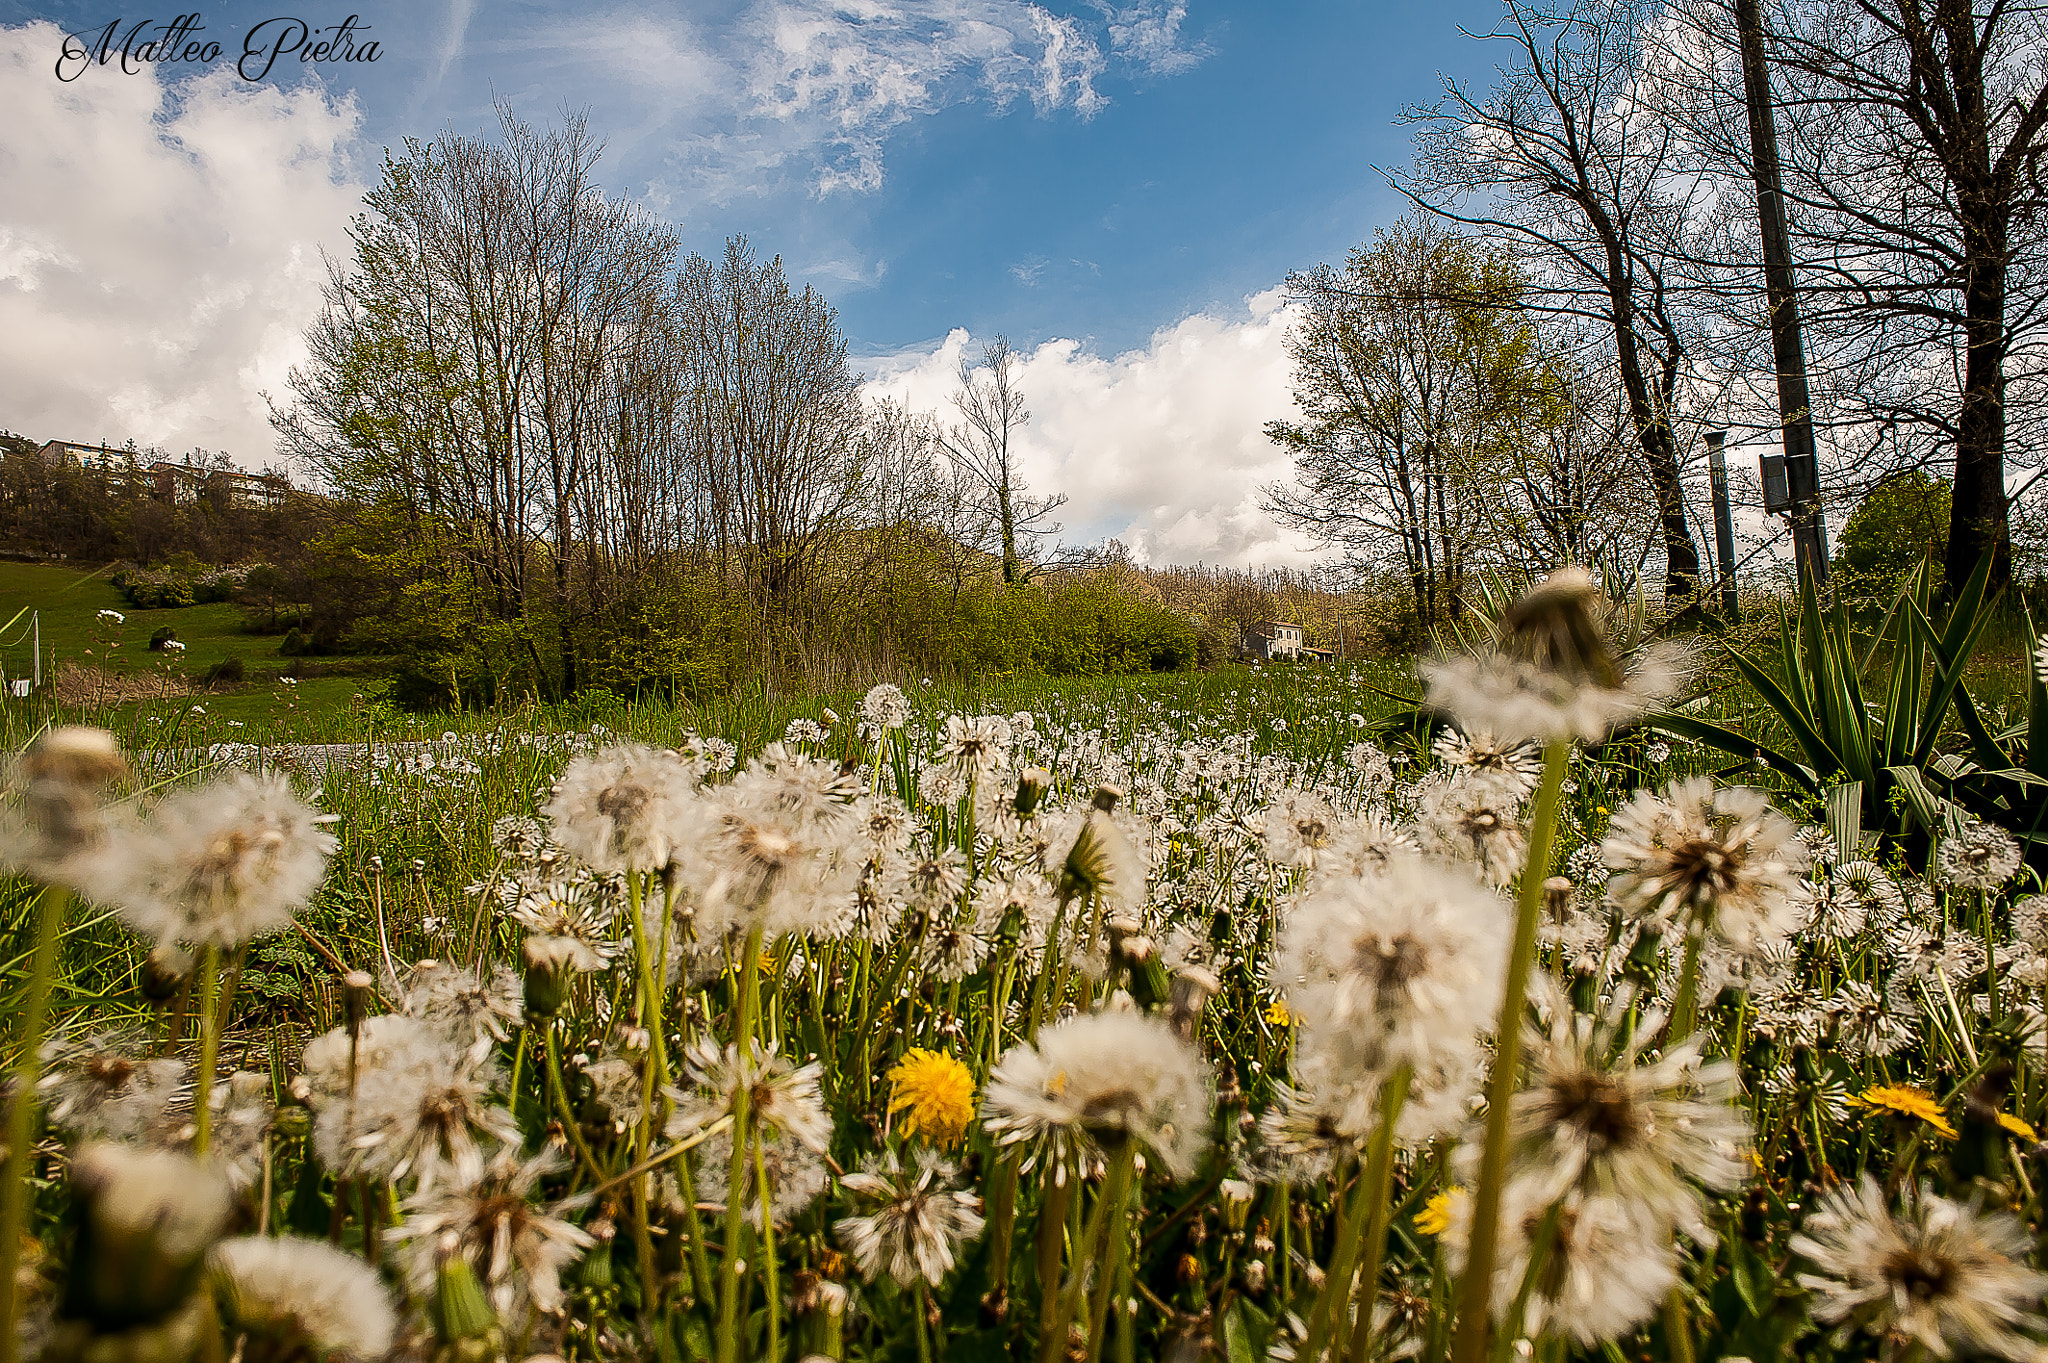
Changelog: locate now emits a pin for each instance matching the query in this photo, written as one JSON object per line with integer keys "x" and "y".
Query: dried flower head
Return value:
{"x": 1946, "y": 1276}
{"x": 1603, "y": 1118}
{"x": 1981, "y": 857}
{"x": 302, "y": 1299}
{"x": 1102, "y": 1077}
{"x": 1721, "y": 859}
{"x": 223, "y": 864}
{"x": 919, "y": 1215}
{"x": 627, "y": 808}
{"x": 502, "y": 1227}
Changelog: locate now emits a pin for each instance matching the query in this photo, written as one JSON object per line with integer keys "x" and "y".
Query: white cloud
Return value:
{"x": 159, "y": 251}
{"x": 1164, "y": 447}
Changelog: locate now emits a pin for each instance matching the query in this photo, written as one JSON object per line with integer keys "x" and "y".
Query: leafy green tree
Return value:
{"x": 1898, "y": 523}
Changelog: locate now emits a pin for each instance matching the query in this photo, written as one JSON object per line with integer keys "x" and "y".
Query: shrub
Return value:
{"x": 226, "y": 672}
{"x": 160, "y": 638}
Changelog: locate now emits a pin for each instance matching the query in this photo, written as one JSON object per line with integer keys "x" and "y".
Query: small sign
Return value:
{"x": 1777, "y": 491}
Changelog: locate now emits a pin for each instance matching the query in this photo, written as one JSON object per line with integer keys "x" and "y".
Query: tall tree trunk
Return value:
{"x": 1977, "y": 516}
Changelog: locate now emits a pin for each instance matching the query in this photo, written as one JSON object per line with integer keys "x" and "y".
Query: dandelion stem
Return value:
{"x": 1116, "y": 1198}
{"x": 766, "y": 1194}
{"x": 51, "y": 905}
{"x": 728, "y": 1342}
{"x": 1468, "y": 1342}
{"x": 1379, "y": 1180}
{"x": 1685, "y": 1003}
{"x": 209, "y": 1047}
{"x": 1052, "y": 1231}
{"x": 1337, "y": 1281}
{"x": 1054, "y": 1346}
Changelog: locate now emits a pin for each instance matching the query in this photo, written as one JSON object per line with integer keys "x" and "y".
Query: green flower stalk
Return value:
{"x": 51, "y": 905}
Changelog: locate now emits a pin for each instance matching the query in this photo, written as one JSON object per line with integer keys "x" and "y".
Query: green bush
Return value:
{"x": 1898, "y": 523}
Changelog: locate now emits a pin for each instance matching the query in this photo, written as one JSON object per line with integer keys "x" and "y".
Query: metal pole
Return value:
{"x": 1795, "y": 411}
{"x": 1724, "y": 521}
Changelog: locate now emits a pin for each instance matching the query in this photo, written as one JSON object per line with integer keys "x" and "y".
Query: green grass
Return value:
{"x": 63, "y": 606}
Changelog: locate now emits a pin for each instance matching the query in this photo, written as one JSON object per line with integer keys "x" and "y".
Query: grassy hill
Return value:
{"x": 94, "y": 666}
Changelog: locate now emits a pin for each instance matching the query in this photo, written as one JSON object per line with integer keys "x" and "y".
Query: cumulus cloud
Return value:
{"x": 1162, "y": 447}
{"x": 160, "y": 249}
{"x": 818, "y": 86}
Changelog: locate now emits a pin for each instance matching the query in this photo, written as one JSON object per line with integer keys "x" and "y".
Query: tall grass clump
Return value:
{"x": 1212, "y": 1017}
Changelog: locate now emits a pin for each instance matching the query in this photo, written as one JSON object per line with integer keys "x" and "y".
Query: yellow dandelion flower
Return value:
{"x": 2017, "y": 1126}
{"x": 1435, "y": 1216}
{"x": 1277, "y": 1014}
{"x": 936, "y": 1095}
{"x": 1903, "y": 1100}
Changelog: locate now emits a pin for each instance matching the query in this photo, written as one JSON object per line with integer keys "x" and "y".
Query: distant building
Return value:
{"x": 171, "y": 484}
{"x": 1271, "y": 639}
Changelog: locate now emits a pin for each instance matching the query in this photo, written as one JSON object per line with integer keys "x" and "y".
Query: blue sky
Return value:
{"x": 1080, "y": 176}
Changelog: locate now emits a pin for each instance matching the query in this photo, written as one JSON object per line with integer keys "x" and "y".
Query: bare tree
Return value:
{"x": 1563, "y": 161}
{"x": 982, "y": 445}
{"x": 1416, "y": 372}
{"x": 1919, "y": 128}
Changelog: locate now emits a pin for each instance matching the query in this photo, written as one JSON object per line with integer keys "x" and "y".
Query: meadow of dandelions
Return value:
{"x": 959, "y": 1036}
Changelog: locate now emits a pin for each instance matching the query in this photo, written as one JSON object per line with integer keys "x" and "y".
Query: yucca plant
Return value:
{"x": 1873, "y": 756}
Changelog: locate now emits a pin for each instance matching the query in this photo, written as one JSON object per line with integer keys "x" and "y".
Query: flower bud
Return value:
{"x": 1032, "y": 784}
{"x": 549, "y": 968}
{"x": 151, "y": 1216}
{"x": 460, "y": 1309}
{"x": 165, "y": 972}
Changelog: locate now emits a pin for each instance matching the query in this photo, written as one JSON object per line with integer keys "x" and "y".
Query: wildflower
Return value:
{"x": 150, "y": 1218}
{"x": 302, "y": 1298}
{"x": 1091, "y": 854}
{"x": 940, "y": 786}
{"x": 425, "y": 1111}
{"x": 568, "y": 916}
{"x": 1370, "y": 764}
{"x": 1296, "y": 828}
{"x": 976, "y": 747}
{"x": 797, "y": 1176}
{"x": 2041, "y": 658}
{"x": 774, "y": 851}
{"x": 1903, "y": 1100}
{"x": 63, "y": 781}
{"x": 885, "y": 822}
{"x": 1103, "y": 1076}
{"x": 1946, "y": 1276}
{"x": 1435, "y": 1216}
{"x": 463, "y": 1004}
{"x": 224, "y": 864}
{"x": 952, "y": 951}
{"x": 1402, "y": 968}
{"x": 883, "y": 708}
{"x": 494, "y": 1222}
{"x": 115, "y": 616}
{"x": 90, "y": 1084}
{"x": 1514, "y": 765}
{"x": 1608, "y": 1266}
{"x": 782, "y": 1098}
{"x": 1478, "y": 820}
{"x": 1277, "y": 1014}
{"x": 1601, "y": 1118}
{"x": 627, "y": 808}
{"x": 1867, "y": 1022}
{"x": 1721, "y": 859}
{"x": 1307, "y": 1137}
{"x": 803, "y": 731}
{"x": 1981, "y": 857}
{"x": 1554, "y": 674}
{"x": 519, "y": 839}
{"x": 936, "y": 878}
{"x": 935, "y": 1094}
{"x": 1363, "y": 846}
{"x": 919, "y": 1217}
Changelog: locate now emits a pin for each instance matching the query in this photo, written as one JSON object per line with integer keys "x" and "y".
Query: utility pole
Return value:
{"x": 1795, "y": 411}
{"x": 1724, "y": 522}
